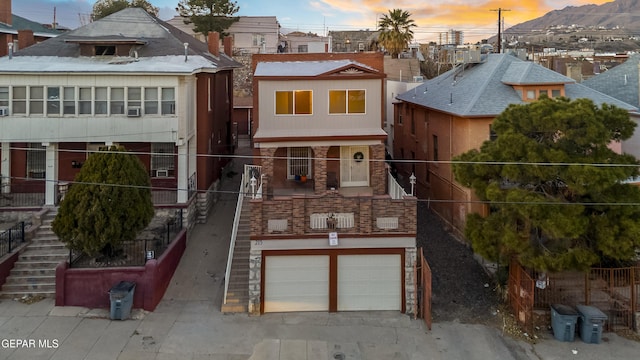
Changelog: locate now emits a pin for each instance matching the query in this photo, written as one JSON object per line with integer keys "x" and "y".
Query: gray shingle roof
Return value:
{"x": 485, "y": 89}
{"x": 20, "y": 23}
{"x": 130, "y": 24}
{"x": 621, "y": 82}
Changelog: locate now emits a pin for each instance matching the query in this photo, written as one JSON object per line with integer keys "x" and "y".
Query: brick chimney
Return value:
{"x": 213, "y": 41}
{"x": 25, "y": 38}
{"x": 5, "y": 12}
{"x": 228, "y": 45}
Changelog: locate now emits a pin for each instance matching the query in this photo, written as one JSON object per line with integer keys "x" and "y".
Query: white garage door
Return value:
{"x": 369, "y": 282}
{"x": 296, "y": 283}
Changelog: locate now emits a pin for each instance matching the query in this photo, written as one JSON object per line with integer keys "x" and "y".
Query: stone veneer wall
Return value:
{"x": 255, "y": 266}
{"x": 411, "y": 300}
{"x": 255, "y": 277}
{"x": 206, "y": 200}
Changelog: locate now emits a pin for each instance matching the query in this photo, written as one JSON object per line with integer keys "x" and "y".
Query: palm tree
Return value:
{"x": 395, "y": 31}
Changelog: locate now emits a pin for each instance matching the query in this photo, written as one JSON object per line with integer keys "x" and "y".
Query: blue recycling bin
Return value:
{"x": 591, "y": 323}
{"x": 563, "y": 322}
{"x": 121, "y": 296}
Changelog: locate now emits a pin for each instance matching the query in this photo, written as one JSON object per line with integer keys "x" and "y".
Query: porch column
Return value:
{"x": 5, "y": 168}
{"x": 320, "y": 169}
{"x": 51, "y": 174}
{"x": 378, "y": 169}
{"x": 267, "y": 155}
{"x": 183, "y": 174}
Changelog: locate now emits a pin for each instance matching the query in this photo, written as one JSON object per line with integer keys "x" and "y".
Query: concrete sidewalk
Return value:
{"x": 188, "y": 324}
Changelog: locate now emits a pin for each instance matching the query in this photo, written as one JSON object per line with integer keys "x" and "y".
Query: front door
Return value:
{"x": 354, "y": 166}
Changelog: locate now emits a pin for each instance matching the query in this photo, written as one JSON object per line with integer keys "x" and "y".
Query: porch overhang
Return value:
{"x": 308, "y": 135}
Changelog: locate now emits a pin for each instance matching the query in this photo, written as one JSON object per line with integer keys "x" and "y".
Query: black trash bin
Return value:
{"x": 121, "y": 296}
{"x": 591, "y": 323}
{"x": 563, "y": 322}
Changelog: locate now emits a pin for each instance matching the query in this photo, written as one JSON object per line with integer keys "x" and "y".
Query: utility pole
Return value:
{"x": 500, "y": 22}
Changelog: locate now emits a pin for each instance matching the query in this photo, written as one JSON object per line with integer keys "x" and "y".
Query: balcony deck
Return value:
{"x": 292, "y": 187}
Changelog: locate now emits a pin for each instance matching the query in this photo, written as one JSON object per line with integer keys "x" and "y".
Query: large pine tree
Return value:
{"x": 557, "y": 192}
{"x": 108, "y": 203}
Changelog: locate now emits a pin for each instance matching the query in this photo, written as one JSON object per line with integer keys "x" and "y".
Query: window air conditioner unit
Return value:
{"x": 418, "y": 79}
{"x": 133, "y": 111}
{"x": 162, "y": 173}
{"x": 4, "y": 111}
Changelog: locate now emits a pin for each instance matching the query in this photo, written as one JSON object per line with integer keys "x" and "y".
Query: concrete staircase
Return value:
{"x": 35, "y": 271}
{"x": 238, "y": 291}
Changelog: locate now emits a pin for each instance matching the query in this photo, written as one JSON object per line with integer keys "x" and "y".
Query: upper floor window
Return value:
{"x": 19, "y": 100}
{"x": 303, "y": 48}
{"x": 258, "y": 39}
{"x": 4, "y": 96}
{"x": 347, "y": 102}
{"x": 555, "y": 93}
{"x": 298, "y": 102}
{"x": 99, "y": 100}
{"x": 168, "y": 101}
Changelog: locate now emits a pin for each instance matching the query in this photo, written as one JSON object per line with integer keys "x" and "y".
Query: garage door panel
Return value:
{"x": 296, "y": 283}
{"x": 369, "y": 282}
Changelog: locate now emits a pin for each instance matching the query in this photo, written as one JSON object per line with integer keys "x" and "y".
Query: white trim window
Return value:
{"x": 162, "y": 160}
{"x": 347, "y": 102}
{"x": 294, "y": 102}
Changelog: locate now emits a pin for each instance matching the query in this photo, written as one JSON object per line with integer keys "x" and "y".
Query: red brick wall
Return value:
{"x": 90, "y": 287}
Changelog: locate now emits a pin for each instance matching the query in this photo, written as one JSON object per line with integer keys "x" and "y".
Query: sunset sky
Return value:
{"x": 473, "y": 17}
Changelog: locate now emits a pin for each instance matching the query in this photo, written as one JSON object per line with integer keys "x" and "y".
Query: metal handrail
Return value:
{"x": 234, "y": 234}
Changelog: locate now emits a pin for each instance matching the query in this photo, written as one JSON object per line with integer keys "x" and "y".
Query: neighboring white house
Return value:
{"x": 128, "y": 79}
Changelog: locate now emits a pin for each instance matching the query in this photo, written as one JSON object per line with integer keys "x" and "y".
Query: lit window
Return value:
{"x": 531, "y": 94}
{"x": 297, "y": 102}
{"x": 346, "y": 101}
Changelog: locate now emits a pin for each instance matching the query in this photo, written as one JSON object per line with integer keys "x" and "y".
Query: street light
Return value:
{"x": 412, "y": 181}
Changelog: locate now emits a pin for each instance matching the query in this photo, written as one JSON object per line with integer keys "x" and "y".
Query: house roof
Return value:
{"x": 20, "y": 23}
{"x": 159, "y": 48}
{"x": 620, "y": 82}
{"x": 307, "y": 68}
{"x": 486, "y": 89}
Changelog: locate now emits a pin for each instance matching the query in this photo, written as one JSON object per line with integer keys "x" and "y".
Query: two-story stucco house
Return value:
{"x": 452, "y": 114}
{"x": 128, "y": 79}
{"x": 327, "y": 233}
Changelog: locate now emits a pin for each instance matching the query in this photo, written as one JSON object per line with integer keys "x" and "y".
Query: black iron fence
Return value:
{"x": 11, "y": 238}
{"x": 150, "y": 245}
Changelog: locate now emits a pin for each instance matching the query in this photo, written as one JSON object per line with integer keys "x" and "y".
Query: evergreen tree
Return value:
{"x": 104, "y": 8}
{"x": 395, "y": 31}
{"x": 557, "y": 194}
{"x": 209, "y": 15}
{"x": 109, "y": 202}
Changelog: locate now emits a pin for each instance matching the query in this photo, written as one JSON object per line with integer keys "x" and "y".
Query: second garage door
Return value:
{"x": 296, "y": 283}
{"x": 369, "y": 282}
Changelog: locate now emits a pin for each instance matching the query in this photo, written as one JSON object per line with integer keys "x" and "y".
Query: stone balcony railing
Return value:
{"x": 306, "y": 215}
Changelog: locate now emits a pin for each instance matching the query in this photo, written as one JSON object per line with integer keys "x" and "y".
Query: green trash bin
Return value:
{"x": 121, "y": 296}
{"x": 563, "y": 322}
{"x": 590, "y": 323}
